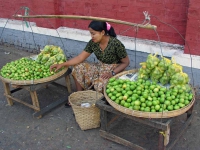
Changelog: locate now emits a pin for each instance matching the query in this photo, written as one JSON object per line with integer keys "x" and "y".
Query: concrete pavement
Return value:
{"x": 58, "y": 130}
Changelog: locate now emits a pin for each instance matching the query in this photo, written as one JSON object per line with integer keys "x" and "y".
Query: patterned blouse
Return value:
{"x": 112, "y": 54}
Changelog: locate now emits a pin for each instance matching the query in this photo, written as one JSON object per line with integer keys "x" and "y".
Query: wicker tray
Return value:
{"x": 142, "y": 114}
{"x": 35, "y": 81}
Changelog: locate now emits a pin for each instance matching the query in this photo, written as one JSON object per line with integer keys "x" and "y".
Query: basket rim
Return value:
{"x": 100, "y": 95}
{"x": 35, "y": 81}
{"x": 142, "y": 114}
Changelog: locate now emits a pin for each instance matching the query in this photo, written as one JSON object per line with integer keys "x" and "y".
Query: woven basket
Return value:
{"x": 142, "y": 114}
{"x": 36, "y": 81}
{"x": 87, "y": 118}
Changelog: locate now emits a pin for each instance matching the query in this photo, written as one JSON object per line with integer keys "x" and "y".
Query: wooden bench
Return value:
{"x": 162, "y": 125}
{"x": 33, "y": 93}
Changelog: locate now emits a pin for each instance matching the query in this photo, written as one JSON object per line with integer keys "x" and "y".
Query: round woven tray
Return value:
{"x": 142, "y": 114}
{"x": 36, "y": 81}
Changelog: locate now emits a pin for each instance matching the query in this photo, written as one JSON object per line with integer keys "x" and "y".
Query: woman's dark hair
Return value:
{"x": 100, "y": 26}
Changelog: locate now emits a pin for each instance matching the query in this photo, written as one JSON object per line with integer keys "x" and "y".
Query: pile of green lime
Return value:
{"x": 147, "y": 96}
{"x": 25, "y": 69}
{"x": 29, "y": 69}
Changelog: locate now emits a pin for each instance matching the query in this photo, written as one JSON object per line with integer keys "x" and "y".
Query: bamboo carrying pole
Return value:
{"x": 146, "y": 26}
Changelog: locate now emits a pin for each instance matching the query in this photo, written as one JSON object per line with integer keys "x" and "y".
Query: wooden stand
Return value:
{"x": 163, "y": 127}
{"x": 32, "y": 89}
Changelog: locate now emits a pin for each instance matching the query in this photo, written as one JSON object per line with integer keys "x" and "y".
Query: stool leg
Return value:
{"x": 164, "y": 139}
{"x": 189, "y": 112}
{"x": 7, "y": 92}
{"x": 167, "y": 134}
{"x": 161, "y": 142}
{"x": 104, "y": 120}
{"x": 35, "y": 101}
{"x": 68, "y": 83}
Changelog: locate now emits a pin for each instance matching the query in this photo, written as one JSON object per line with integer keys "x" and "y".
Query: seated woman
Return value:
{"x": 110, "y": 52}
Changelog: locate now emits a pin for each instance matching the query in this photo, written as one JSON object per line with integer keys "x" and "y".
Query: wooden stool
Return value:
{"x": 32, "y": 89}
{"x": 162, "y": 126}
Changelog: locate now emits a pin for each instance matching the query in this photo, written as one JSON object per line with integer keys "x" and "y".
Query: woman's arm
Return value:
{"x": 76, "y": 60}
{"x": 124, "y": 63}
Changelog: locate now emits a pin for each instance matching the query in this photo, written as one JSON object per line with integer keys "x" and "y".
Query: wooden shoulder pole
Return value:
{"x": 147, "y": 26}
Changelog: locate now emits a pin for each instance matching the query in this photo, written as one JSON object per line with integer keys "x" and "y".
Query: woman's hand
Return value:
{"x": 106, "y": 75}
{"x": 56, "y": 67}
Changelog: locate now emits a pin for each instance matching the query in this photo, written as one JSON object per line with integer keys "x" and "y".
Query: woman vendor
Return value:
{"x": 110, "y": 52}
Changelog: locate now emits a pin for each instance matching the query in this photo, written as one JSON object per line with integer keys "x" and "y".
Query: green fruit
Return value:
{"x": 176, "y": 107}
{"x": 127, "y": 105}
{"x": 135, "y": 107}
{"x": 157, "y": 107}
{"x": 137, "y": 103}
{"x": 147, "y": 109}
{"x": 170, "y": 107}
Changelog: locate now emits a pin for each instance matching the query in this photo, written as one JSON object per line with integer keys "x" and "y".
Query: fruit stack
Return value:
{"x": 161, "y": 86}
{"x": 164, "y": 71}
{"x": 147, "y": 96}
{"x": 29, "y": 69}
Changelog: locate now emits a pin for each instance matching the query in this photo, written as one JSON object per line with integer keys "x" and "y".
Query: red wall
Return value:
{"x": 193, "y": 28}
{"x": 172, "y": 12}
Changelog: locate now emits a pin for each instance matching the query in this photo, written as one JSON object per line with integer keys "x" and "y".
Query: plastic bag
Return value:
{"x": 47, "y": 49}
{"x": 152, "y": 61}
{"x": 60, "y": 57}
{"x": 165, "y": 78}
{"x": 164, "y": 63}
{"x": 174, "y": 68}
{"x": 156, "y": 74}
{"x": 179, "y": 78}
{"x": 51, "y": 61}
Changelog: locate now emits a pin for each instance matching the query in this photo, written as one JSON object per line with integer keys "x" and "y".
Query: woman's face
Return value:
{"x": 96, "y": 35}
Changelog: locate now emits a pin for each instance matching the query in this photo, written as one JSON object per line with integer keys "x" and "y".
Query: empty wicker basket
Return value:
{"x": 86, "y": 117}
